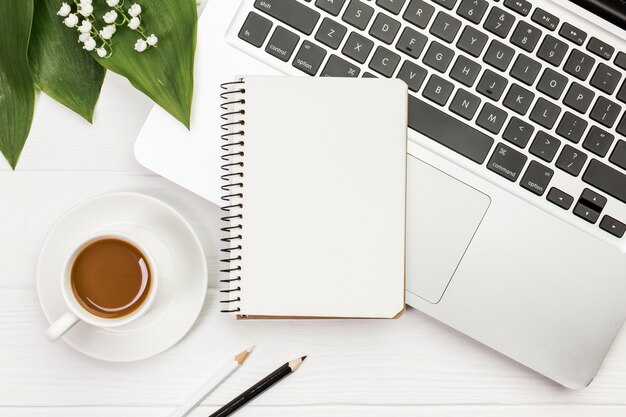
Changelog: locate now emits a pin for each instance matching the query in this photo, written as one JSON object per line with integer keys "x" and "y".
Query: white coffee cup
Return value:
{"x": 76, "y": 312}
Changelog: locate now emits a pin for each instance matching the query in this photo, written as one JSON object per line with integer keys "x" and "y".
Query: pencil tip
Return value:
{"x": 251, "y": 348}
{"x": 241, "y": 358}
{"x": 304, "y": 357}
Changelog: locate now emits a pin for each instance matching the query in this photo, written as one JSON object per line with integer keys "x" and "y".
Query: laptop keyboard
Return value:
{"x": 534, "y": 95}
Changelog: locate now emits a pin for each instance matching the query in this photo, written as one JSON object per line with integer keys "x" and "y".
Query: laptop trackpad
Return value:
{"x": 442, "y": 216}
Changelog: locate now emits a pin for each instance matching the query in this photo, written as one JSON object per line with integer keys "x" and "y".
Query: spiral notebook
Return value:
{"x": 315, "y": 192}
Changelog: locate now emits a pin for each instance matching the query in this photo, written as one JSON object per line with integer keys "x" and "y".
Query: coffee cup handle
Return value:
{"x": 61, "y": 326}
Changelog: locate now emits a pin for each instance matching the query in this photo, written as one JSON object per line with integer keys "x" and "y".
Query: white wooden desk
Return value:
{"x": 413, "y": 366}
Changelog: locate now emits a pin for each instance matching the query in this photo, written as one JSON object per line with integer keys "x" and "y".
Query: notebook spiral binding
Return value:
{"x": 233, "y": 122}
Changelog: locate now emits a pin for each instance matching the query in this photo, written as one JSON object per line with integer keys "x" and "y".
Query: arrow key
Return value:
{"x": 614, "y": 227}
{"x": 586, "y": 213}
{"x": 592, "y": 199}
{"x": 560, "y": 198}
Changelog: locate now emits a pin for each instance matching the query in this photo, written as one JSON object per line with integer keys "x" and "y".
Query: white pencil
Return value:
{"x": 215, "y": 381}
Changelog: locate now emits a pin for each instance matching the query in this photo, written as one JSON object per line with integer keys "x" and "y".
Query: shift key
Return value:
{"x": 606, "y": 179}
{"x": 290, "y": 12}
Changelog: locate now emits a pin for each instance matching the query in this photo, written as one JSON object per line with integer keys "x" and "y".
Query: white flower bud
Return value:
{"x": 135, "y": 10}
{"x": 107, "y": 32}
{"x": 85, "y": 9}
{"x": 71, "y": 20}
{"x": 113, "y": 3}
{"x": 86, "y": 1}
{"x": 64, "y": 10}
{"x": 102, "y": 52}
{"x": 110, "y": 16}
{"x": 141, "y": 45}
{"x": 90, "y": 44}
{"x": 85, "y": 26}
{"x": 152, "y": 40}
{"x": 134, "y": 23}
{"x": 84, "y": 37}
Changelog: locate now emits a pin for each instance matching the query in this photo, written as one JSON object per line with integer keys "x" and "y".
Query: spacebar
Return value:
{"x": 448, "y": 131}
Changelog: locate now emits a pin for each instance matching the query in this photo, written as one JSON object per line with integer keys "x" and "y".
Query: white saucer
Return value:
{"x": 182, "y": 274}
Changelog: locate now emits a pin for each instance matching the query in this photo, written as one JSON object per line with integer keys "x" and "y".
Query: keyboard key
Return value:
{"x": 552, "y": 83}
{"x": 338, "y": 67}
{"x": 472, "y": 41}
{"x": 544, "y": 146}
{"x": 620, "y": 60}
{"x": 518, "y": 132}
{"x": 579, "y": 98}
{"x": 491, "y": 118}
{"x": 465, "y": 70}
{"x": 255, "y": 29}
{"x": 526, "y": 36}
{"x": 602, "y": 49}
{"x": 592, "y": 199}
{"x": 605, "y": 112}
{"x": 448, "y": 4}
{"x": 545, "y": 19}
{"x": 331, "y": 6}
{"x": 499, "y": 55}
{"x": 605, "y": 78}
{"x": 579, "y": 64}
{"x": 537, "y": 178}
{"x": 384, "y": 61}
{"x": 411, "y": 42}
{"x": 507, "y": 162}
{"x": 282, "y": 44}
{"x": 392, "y": 6}
{"x": 518, "y": 99}
{"x": 621, "y": 94}
{"x": 472, "y": 10}
{"x": 465, "y": 104}
{"x": 384, "y": 28}
{"x": 571, "y": 127}
{"x": 419, "y": 13}
{"x": 598, "y": 141}
{"x": 438, "y": 90}
{"x": 621, "y": 127}
{"x": 368, "y": 75}
{"x": 491, "y": 85}
{"x": 571, "y": 160}
{"x": 448, "y": 131}
{"x": 520, "y": 6}
{"x": 499, "y": 22}
{"x": 606, "y": 179}
{"x": 438, "y": 56}
{"x": 357, "y": 47}
{"x": 545, "y": 113}
{"x": 413, "y": 75}
{"x": 586, "y": 213}
{"x": 309, "y": 58}
{"x": 552, "y": 50}
{"x": 572, "y": 33}
{"x": 358, "y": 14}
{"x": 331, "y": 33}
{"x": 618, "y": 157}
{"x": 291, "y": 13}
{"x": 525, "y": 69}
{"x": 445, "y": 27}
{"x": 614, "y": 227}
{"x": 560, "y": 198}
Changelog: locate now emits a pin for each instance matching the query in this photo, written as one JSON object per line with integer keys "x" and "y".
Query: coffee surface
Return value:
{"x": 110, "y": 278}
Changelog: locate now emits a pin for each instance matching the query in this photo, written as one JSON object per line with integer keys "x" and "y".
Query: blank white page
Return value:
{"x": 324, "y": 197}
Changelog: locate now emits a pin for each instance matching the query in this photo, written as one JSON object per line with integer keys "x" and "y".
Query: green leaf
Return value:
{"x": 17, "y": 91}
{"x": 164, "y": 73}
{"x": 59, "y": 65}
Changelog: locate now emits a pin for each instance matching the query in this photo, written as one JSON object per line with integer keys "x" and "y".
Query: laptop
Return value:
{"x": 517, "y": 154}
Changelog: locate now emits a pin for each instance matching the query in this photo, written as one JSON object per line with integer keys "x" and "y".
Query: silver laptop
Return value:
{"x": 517, "y": 158}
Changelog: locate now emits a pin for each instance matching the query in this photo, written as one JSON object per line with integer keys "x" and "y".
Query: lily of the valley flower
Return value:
{"x": 64, "y": 10}
{"x": 71, "y": 20}
{"x": 90, "y": 44}
{"x": 86, "y": 1}
{"x": 113, "y": 3}
{"x": 107, "y": 32}
{"x": 141, "y": 45}
{"x": 101, "y": 52}
{"x": 135, "y": 10}
{"x": 110, "y": 16}
{"x": 134, "y": 23}
{"x": 85, "y": 9}
{"x": 152, "y": 40}
{"x": 84, "y": 37}
{"x": 85, "y": 26}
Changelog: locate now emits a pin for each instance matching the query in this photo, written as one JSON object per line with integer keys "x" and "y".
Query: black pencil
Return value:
{"x": 258, "y": 388}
